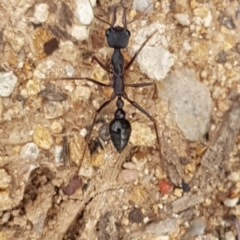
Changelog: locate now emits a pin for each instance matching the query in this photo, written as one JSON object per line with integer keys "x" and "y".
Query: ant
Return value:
{"x": 119, "y": 128}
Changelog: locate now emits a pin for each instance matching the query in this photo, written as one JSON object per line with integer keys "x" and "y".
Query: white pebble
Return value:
{"x": 229, "y": 236}
{"x": 143, "y": 6}
{"x": 69, "y": 70}
{"x": 182, "y": 19}
{"x": 8, "y": 82}
{"x": 79, "y": 32}
{"x": 58, "y": 153}
{"x": 29, "y": 151}
{"x": 41, "y": 13}
{"x": 83, "y": 11}
{"x": 234, "y": 177}
{"x": 207, "y": 20}
{"x": 6, "y": 217}
{"x": 231, "y": 202}
{"x": 187, "y": 47}
{"x": 83, "y": 132}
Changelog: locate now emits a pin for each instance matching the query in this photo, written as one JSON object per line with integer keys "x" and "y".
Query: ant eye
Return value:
{"x": 108, "y": 31}
{"x": 128, "y": 33}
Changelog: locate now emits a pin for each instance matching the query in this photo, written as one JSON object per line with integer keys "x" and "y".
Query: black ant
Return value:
{"x": 120, "y": 127}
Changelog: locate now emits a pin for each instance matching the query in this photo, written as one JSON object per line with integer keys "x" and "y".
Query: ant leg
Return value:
{"x": 91, "y": 128}
{"x": 136, "y": 85}
{"x": 136, "y": 105}
{"x": 77, "y": 78}
{"x": 101, "y": 64}
{"x": 139, "y": 50}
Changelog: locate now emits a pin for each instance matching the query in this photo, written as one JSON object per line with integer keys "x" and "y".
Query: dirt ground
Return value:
{"x": 51, "y": 189}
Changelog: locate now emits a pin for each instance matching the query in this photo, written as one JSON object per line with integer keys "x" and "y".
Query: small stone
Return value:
{"x": 185, "y": 202}
{"x": 177, "y": 192}
{"x": 207, "y": 20}
{"x": 83, "y": 11}
{"x": 97, "y": 160}
{"x": 42, "y": 138}
{"x": 182, "y": 19}
{"x": 69, "y": 71}
{"x": 81, "y": 33}
{"x": 234, "y": 177}
{"x": 201, "y": 11}
{"x": 6, "y": 216}
{"x": 135, "y": 215}
{"x": 51, "y": 46}
{"x": 155, "y": 61}
{"x": 29, "y": 151}
{"x": 158, "y": 228}
{"x": 56, "y": 127}
{"x": 231, "y": 202}
{"x": 8, "y": 82}
{"x": 165, "y": 187}
{"x": 197, "y": 227}
{"x": 83, "y": 132}
{"x": 229, "y": 236}
{"x": 189, "y": 103}
{"x": 5, "y": 179}
{"x": 125, "y": 221}
{"x": 57, "y": 152}
{"x": 127, "y": 175}
{"x": 138, "y": 195}
{"x": 41, "y": 13}
{"x": 145, "y": 6}
{"x": 33, "y": 87}
{"x": 53, "y": 109}
{"x": 69, "y": 53}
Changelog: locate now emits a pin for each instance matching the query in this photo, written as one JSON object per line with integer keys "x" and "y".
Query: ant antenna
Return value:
{"x": 137, "y": 17}
{"x": 124, "y": 20}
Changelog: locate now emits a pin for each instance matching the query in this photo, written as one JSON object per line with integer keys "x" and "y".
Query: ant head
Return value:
{"x": 117, "y": 37}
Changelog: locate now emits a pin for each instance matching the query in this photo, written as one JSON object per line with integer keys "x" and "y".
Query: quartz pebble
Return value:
{"x": 42, "y": 138}
{"x": 229, "y": 236}
{"x": 79, "y": 32}
{"x": 57, "y": 152}
{"x": 6, "y": 216}
{"x": 41, "y": 13}
{"x": 154, "y": 59}
{"x": 182, "y": 19}
{"x": 56, "y": 127}
{"x": 83, "y": 11}
{"x": 29, "y": 151}
{"x": 5, "y": 179}
{"x": 8, "y": 82}
{"x": 231, "y": 202}
{"x": 189, "y": 103}
{"x": 142, "y": 6}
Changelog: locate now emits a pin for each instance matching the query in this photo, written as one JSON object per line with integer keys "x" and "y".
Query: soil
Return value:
{"x": 51, "y": 188}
